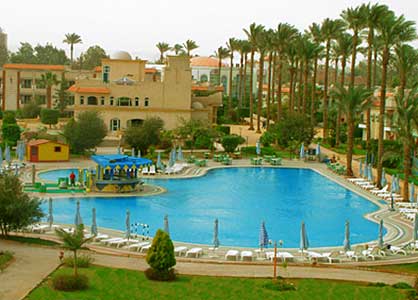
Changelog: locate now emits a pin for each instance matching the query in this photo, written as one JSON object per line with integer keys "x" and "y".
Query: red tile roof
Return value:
{"x": 42, "y": 141}
{"x": 89, "y": 90}
{"x": 204, "y": 61}
{"x": 34, "y": 67}
{"x": 206, "y": 88}
{"x": 284, "y": 89}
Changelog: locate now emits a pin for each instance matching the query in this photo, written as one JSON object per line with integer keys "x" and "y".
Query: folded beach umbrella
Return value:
{"x": 263, "y": 238}
{"x": 347, "y": 245}
{"x": 318, "y": 149}
{"x": 383, "y": 181}
{"x": 119, "y": 150}
{"x": 215, "y": 241}
{"x": 50, "y": 216}
{"x": 361, "y": 168}
{"x": 415, "y": 233}
{"x": 7, "y": 156}
{"x": 380, "y": 239}
{"x": 128, "y": 224}
{"x": 370, "y": 173}
{"x": 393, "y": 184}
{"x": 93, "y": 222}
{"x": 139, "y": 154}
{"x": 366, "y": 170}
{"x": 166, "y": 228}
{"x": 258, "y": 147}
{"x": 411, "y": 192}
{"x": 133, "y": 152}
{"x": 398, "y": 187}
{"x": 302, "y": 151}
{"x": 159, "y": 164}
{"x": 179, "y": 154}
{"x": 304, "y": 242}
{"x": 78, "y": 221}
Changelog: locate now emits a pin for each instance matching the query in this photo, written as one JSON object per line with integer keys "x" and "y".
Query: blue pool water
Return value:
{"x": 241, "y": 198}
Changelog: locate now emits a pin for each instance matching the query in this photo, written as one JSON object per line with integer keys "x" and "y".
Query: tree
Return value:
{"x": 50, "y": 55}
{"x": 10, "y": 130}
{"x": 73, "y": 241}
{"x": 160, "y": 256}
{"x": 93, "y": 57}
{"x": 178, "y": 49}
{"x": 221, "y": 54}
{"x": 25, "y": 54}
{"x": 86, "y": 132}
{"x": 49, "y": 116}
{"x": 406, "y": 62}
{"x": 352, "y": 102}
{"x": 4, "y": 54}
{"x": 163, "y": 48}
{"x": 17, "y": 209}
{"x": 72, "y": 39}
{"x": 193, "y": 130}
{"x": 48, "y": 80}
{"x": 294, "y": 129}
{"x": 233, "y": 45}
{"x": 231, "y": 142}
{"x": 189, "y": 46}
{"x": 30, "y": 110}
{"x": 62, "y": 96}
{"x": 145, "y": 135}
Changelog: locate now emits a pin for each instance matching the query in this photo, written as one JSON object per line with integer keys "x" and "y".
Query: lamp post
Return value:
{"x": 275, "y": 257}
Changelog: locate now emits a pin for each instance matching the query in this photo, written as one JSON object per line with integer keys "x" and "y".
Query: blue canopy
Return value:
{"x": 258, "y": 147}
{"x": 118, "y": 160}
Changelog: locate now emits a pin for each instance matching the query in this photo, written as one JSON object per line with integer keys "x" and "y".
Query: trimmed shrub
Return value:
{"x": 65, "y": 282}
{"x": 203, "y": 142}
{"x": 169, "y": 275}
{"x": 49, "y": 116}
{"x": 231, "y": 142}
{"x": 83, "y": 261}
{"x": 267, "y": 139}
{"x": 402, "y": 286}
{"x": 223, "y": 129}
{"x": 161, "y": 257}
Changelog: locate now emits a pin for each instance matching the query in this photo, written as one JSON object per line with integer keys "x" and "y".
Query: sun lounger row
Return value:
{"x": 150, "y": 171}
{"x": 176, "y": 168}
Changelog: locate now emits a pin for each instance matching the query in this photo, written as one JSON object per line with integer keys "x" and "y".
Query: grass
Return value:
{"x": 30, "y": 240}
{"x": 405, "y": 268}
{"x": 5, "y": 257}
{"x": 342, "y": 149}
{"x": 107, "y": 284}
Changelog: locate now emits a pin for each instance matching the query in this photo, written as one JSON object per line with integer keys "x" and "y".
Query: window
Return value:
{"x": 102, "y": 100}
{"x": 91, "y": 100}
{"x": 203, "y": 78}
{"x": 111, "y": 101}
{"x": 25, "y": 99}
{"x": 136, "y": 101}
{"x": 26, "y": 83}
{"x": 70, "y": 100}
{"x": 114, "y": 125}
{"x": 57, "y": 149}
{"x": 81, "y": 100}
{"x": 40, "y": 99}
{"x": 39, "y": 84}
{"x": 106, "y": 71}
{"x": 124, "y": 101}
{"x": 146, "y": 101}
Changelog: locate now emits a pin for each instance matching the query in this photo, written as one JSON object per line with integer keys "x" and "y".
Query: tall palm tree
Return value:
{"x": 72, "y": 39}
{"x": 285, "y": 34}
{"x": 163, "y": 48}
{"x": 246, "y": 49}
{"x": 270, "y": 49}
{"x": 356, "y": 21}
{"x": 253, "y": 34}
{"x": 309, "y": 53}
{"x": 291, "y": 54}
{"x": 406, "y": 62}
{"x": 262, "y": 46}
{"x": 189, "y": 46}
{"x": 177, "y": 48}
{"x": 48, "y": 80}
{"x": 406, "y": 124}
{"x": 353, "y": 101}
{"x": 393, "y": 30}
{"x": 73, "y": 242}
{"x": 372, "y": 14}
{"x": 330, "y": 30}
{"x": 233, "y": 45}
{"x": 221, "y": 54}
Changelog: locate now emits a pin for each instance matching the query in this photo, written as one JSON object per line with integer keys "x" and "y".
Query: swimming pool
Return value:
{"x": 241, "y": 198}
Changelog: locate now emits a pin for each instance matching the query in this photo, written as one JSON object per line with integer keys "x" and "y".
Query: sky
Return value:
{"x": 137, "y": 26}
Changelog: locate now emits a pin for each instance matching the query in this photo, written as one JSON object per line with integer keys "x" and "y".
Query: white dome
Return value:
{"x": 197, "y": 105}
{"x": 121, "y": 55}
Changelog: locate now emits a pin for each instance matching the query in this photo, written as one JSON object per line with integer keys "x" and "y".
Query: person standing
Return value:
{"x": 72, "y": 178}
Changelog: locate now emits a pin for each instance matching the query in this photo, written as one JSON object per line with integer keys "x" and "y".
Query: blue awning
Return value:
{"x": 120, "y": 161}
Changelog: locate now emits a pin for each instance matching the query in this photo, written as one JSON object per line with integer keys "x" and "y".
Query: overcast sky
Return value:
{"x": 136, "y": 26}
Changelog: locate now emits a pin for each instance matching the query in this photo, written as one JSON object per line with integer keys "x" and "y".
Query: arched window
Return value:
{"x": 136, "y": 101}
{"x": 124, "y": 101}
{"x": 114, "y": 124}
{"x": 102, "y": 100}
{"x": 81, "y": 100}
{"x": 146, "y": 101}
{"x": 91, "y": 100}
{"x": 204, "y": 78}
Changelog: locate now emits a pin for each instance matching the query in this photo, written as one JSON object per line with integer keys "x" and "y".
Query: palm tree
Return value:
{"x": 233, "y": 45}
{"x": 270, "y": 49}
{"x": 285, "y": 34}
{"x": 221, "y": 54}
{"x": 246, "y": 49}
{"x": 73, "y": 242}
{"x": 72, "y": 39}
{"x": 262, "y": 46}
{"x": 163, "y": 48}
{"x": 189, "y": 46}
{"x": 48, "y": 80}
{"x": 406, "y": 61}
{"x": 253, "y": 35}
{"x": 309, "y": 53}
{"x": 291, "y": 54}
{"x": 406, "y": 124}
{"x": 330, "y": 30}
{"x": 177, "y": 48}
{"x": 355, "y": 20}
{"x": 352, "y": 101}
{"x": 393, "y": 30}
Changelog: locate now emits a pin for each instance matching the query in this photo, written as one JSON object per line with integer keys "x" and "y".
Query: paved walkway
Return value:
{"x": 34, "y": 263}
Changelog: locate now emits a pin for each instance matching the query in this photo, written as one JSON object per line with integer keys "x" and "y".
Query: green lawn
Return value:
{"x": 109, "y": 284}
{"x": 29, "y": 240}
{"x": 407, "y": 268}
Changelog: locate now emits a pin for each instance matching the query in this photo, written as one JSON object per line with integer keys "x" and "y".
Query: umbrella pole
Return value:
{"x": 275, "y": 262}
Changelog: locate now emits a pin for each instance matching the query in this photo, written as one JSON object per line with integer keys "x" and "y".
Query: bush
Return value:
{"x": 377, "y": 284}
{"x": 203, "y": 142}
{"x": 11, "y": 134}
{"x": 9, "y": 117}
{"x": 83, "y": 261}
{"x": 267, "y": 139}
{"x": 280, "y": 285}
{"x": 30, "y": 110}
{"x": 143, "y": 136}
{"x": 223, "y": 129}
{"x": 231, "y": 142}
{"x": 161, "y": 257}
{"x": 64, "y": 282}
{"x": 152, "y": 274}
{"x": 264, "y": 150}
{"x": 402, "y": 286}
{"x": 49, "y": 116}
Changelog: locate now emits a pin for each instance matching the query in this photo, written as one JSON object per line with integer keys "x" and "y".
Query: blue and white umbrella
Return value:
{"x": 119, "y": 150}
{"x": 139, "y": 154}
{"x": 380, "y": 239}
{"x": 347, "y": 244}
{"x": 128, "y": 224}
{"x": 302, "y": 151}
{"x": 133, "y": 152}
{"x": 159, "y": 163}
{"x": 366, "y": 171}
{"x": 415, "y": 233}
{"x": 166, "y": 228}
{"x": 180, "y": 154}
{"x": 7, "y": 155}
{"x": 172, "y": 160}
{"x": 215, "y": 241}
{"x": 93, "y": 222}
{"x": 318, "y": 149}
{"x": 258, "y": 147}
{"x": 263, "y": 237}
{"x": 370, "y": 173}
{"x": 393, "y": 184}
{"x": 411, "y": 193}
{"x": 361, "y": 169}
{"x": 383, "y": 181}
{"x": 304, "y": 242}
{"x": 78, "y": 221}
{"x": 50, "y": 215}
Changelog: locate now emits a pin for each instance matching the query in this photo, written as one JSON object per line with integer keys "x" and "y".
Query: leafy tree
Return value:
{"x": 17, "y": 209}
{"x": 30, "y": 110}
{"x": 9, "y": 117}
{"x": 73, "y": 242}
{"x": 231, "y": 142}
{"x": 4, "y": 54}
{"x": 145, "y": 135}
{"x": 160, "y": 256}
{"x": 48, "y": 80}
{"x": 293, "y": 128}
{"x": 25, "y": 54}
{"x": 49, "y": 116}
{"x": 10, "y": 130}
{"x": 62, "y": 96}
{"x": 72, "y": 39}
{"x": 86, "y": 132}
{"x": 93, "y": 57}
{"x": 50, "y": 55}
{"x": 221, "y": 54}
{"x": 192, "y": 130}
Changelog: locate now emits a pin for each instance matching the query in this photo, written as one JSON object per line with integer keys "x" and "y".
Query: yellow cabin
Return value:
{"x": 47, "y": 151}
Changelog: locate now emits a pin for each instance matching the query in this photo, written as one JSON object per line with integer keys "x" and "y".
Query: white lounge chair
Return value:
{"x": 152, "y": 170}
{"x": 356, "y": 179}
{"x": 138, "y": 246}
{"x": 145, "y": 248}
{"x": 194, "y": 252}
{"x": 145, "y": 171}
{"x": 232, "y": 255}
{"x": 374, "y": 253}
{"x": 397, "y": 250}
{"x": 332, "y": 256}
{"x": 105, "y": 241}
{"x": 101, "y": 236}
{"x": 312, "y": 255}
{"x": 247, "y": 255}
{"x": 179, "y": 250}
{"x": 285, "y": 256}
{"x": 356, "y": 254}
{"x": 377, "y": 191}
